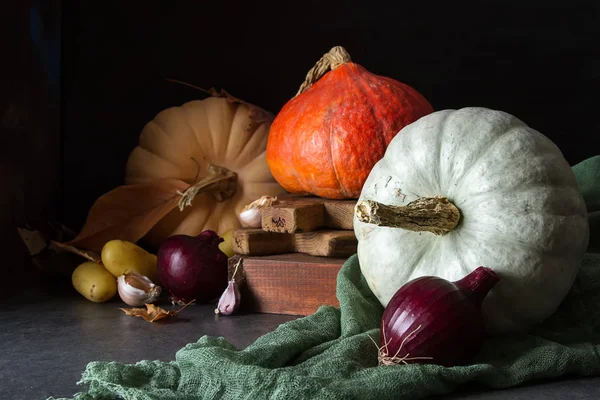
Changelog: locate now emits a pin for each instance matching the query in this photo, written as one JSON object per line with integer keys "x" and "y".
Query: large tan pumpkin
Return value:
{"x": 181, "y": 142}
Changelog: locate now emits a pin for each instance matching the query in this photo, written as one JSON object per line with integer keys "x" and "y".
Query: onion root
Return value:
{"x": 383, "y": 353}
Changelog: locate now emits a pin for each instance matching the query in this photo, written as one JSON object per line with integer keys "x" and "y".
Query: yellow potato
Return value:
{"x": 119, "y": 256}
{"x": 226, "y": 245}
{"x": 94, "y": 282}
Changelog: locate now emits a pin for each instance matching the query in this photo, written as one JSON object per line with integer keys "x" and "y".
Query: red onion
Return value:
{"x": 432, "y": 320}
{"x": 192, "y": 267}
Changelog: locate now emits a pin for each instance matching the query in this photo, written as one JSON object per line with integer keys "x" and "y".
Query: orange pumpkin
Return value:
{"x": 326, "y": 140}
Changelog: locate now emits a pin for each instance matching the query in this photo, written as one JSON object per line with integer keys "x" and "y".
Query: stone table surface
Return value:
{"x": 47, "y": 337}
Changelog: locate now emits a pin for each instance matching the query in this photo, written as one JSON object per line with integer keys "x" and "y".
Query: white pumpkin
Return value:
{"x": 521, "y": 213}
{"x": 182, "y": 142}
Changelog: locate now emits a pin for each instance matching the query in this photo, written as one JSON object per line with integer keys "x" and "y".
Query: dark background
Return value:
{"x": 537, "y": 61}
{"x": 30, "y": 133}
{"x": 82, "y": 78}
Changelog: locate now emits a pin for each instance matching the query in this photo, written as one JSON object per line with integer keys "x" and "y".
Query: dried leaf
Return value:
{"x": 153, "y": 313}
{"x": 33, "y": 240}
{"x": 128, "y": 213}
{"x": 52, "y": 259}
{"x": 87, "y": 254}
{"x": 38, "y": 238}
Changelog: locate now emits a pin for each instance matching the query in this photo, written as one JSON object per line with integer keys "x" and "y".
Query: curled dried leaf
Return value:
{"x": 128, "y": 213}
{"x": 87, "y": 254}
{"x": 33, "y": 240}
{"x": 153, "y": 313}
{"x": 51, "y": 256}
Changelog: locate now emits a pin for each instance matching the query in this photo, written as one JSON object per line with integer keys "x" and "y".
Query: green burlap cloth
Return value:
{"x": 329, "y": 355}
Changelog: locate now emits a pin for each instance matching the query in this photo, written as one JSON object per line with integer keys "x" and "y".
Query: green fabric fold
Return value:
{"x": 587, "y": 174}
{"x": 331, "y": 354}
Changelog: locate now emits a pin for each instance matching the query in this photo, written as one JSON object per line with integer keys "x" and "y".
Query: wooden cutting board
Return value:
{"x": 324, "y": 243}
{"x": 293, "y": 284}
{"x": 307, "y": 213}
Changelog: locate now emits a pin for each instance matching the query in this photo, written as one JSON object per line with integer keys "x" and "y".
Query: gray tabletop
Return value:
{"x": 47, "y": 337}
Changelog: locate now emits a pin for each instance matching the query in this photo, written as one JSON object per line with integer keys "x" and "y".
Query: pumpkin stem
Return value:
{"x": 432, "y": 214}
{"x": 220, "y": 183}
{"x": 334, "y": 58}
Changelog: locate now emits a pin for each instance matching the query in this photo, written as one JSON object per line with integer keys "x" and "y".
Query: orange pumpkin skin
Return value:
{"x": 326, "y": 140}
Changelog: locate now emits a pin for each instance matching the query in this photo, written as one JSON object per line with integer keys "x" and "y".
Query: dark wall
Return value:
{"x": 29, "y": 129}
{"x": 537, "y": 61}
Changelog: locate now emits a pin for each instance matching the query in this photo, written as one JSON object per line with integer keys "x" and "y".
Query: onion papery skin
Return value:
{"x": 434, "y": 321}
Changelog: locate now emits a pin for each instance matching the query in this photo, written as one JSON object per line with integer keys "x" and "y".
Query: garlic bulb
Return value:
{"x": 136, "y": 290}
{"x": 251, "y": 214}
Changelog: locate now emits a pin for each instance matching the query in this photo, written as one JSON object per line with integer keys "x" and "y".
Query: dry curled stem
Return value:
{"x": 221, "y": 183}
{"x": 432, "y": 214}
{"x": 331, "y": 60}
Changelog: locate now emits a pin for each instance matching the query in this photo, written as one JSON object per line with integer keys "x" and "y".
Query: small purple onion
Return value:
{"x": 192, "y": 267}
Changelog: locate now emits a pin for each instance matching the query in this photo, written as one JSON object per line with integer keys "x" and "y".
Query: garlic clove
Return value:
{"x": 251, "y": 214}
{"x": 251, "y": 217}
{"x": 230, "y": 299}
{"x": 136, "y": 289}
